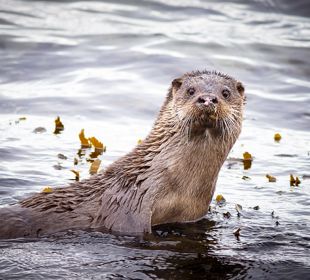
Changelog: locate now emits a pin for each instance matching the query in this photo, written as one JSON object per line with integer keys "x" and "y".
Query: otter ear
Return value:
{"x": 176, "y": 84}
{"x": 240, "y": 88}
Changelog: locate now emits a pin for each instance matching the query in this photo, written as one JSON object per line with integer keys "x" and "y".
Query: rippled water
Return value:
{"x": 105, "y": 66}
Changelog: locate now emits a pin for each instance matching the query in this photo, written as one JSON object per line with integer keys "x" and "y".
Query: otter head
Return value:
{"x": 208, "y": 102}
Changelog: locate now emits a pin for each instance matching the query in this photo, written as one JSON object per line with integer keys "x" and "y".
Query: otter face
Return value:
{"x": 208, "y": 100}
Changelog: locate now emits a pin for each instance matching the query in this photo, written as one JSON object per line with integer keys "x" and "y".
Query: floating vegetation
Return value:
{"x": 277, "y": 137}
{"x": 237, "y": 233}
{"x": 247, "y": 160}
{"x": 81, "y": 152}
{"x": 294, "y": 181}
{"x": 39, "y": 129}
{"x": 95, "y": 153}
{"x": 58, "y": 126}
{"x": 84, "y": 141}
{"x": 47, "y": 190}
{"x": 97, "y": 144}
{"x": 220, "y": 200}
{"x": 247, "y": 156}
{"x": 62, "y": 156}
{"x": 271, "y": 178}
{"x": 238, "y": 208}
{"x": 58, "y": 166}
{"x": 226, "y": 215}
{"x": 92, "y": 141}
{"x": 94, "y": 166}
{"x": 18, "y": 120}
{"x": 76, "y": 173}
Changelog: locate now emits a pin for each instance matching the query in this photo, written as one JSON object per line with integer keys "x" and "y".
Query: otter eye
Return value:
{"x": 226, "y": 93}
{"x": 191, "y": 91}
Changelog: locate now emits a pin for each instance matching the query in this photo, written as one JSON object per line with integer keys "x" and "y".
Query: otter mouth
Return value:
{"x": 208, "y": 115}
{"x": 199, "y": 117}
{"x": 204, "y": 120}
{"x": 209, "y": 121}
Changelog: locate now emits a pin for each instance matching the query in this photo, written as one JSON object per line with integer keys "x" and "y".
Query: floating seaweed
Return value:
{"x": 58, "y": 126}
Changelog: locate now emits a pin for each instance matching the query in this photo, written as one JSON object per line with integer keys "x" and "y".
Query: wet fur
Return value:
{"x": 170, "y": 177}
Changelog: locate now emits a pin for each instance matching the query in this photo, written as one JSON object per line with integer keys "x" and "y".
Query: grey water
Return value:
{"x": 105, "y": 66}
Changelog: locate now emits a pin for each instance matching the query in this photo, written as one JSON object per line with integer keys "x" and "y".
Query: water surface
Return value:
{"x": 106, "y": 66}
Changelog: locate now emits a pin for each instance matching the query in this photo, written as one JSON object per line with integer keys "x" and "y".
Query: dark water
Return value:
{"x": 105, "y": 66}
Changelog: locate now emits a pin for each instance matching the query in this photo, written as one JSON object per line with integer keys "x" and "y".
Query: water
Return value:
{"x": 105, "y": 66}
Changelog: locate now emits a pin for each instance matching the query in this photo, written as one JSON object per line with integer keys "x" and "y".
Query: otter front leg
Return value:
{"x": 125, "y": 211}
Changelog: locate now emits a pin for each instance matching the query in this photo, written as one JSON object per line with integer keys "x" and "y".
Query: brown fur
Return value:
{"x": 170, "y": 177}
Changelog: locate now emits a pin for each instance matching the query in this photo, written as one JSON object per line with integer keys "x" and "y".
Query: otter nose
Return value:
{"x": 207, "y": 100}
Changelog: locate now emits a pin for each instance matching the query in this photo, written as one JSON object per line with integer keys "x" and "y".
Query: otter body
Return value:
{"x": 169, "y": 177}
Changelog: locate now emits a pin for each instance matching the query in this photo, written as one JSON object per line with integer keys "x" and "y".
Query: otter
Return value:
{"x": 169, "y": 177}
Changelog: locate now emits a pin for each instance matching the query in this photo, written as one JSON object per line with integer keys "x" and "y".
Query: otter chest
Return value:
{"x": 188, "y": 185}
